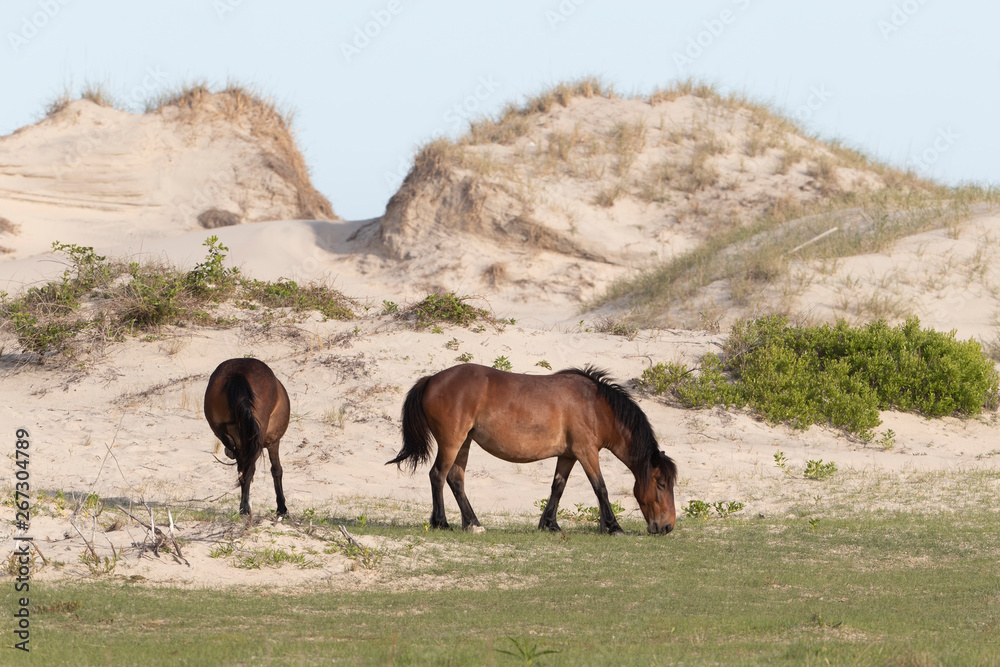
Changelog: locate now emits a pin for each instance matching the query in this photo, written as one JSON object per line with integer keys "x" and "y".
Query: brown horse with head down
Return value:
{"x": 247, "y": 408}
{"x": 570, "y": 415}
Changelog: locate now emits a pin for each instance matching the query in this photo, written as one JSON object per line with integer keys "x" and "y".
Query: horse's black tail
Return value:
{"x": 416, "y": 431}
{"x": 240, "y": 397}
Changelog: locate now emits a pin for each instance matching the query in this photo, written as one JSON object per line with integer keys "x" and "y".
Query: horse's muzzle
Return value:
{"x": 655, "y": 528}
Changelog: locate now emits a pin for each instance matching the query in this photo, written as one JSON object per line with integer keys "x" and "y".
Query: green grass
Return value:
{"x": 869, "y": 589}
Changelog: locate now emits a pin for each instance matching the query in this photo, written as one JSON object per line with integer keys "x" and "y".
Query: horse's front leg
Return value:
{"x": 456, "y": 480}
{"x": 563, "y": 467}
{"x": 591, "y": 466}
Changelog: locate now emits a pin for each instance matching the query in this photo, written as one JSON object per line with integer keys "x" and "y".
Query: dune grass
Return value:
{"x": 753, "y": 256}
{"x": 869, "y": 589}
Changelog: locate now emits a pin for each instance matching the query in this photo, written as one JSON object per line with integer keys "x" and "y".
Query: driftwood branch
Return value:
{"x": 45, "y": 561}
{"x": 159, "y": 537}
{"x": 350, "y": 538}
{"x": 84, "y": 538}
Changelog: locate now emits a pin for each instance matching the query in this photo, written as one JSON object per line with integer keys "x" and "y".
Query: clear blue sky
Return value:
{"x": 911, "y": 81}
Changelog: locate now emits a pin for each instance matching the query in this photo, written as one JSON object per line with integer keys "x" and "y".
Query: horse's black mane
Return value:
{"x": 629, "y": 416}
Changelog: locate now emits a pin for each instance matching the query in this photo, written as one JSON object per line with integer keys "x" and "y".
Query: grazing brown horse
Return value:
{"x": 247, "y": 408}
{"x": 571, "y": 415}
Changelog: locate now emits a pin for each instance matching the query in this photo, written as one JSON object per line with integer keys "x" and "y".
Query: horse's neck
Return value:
{"x": 623, "y": 453}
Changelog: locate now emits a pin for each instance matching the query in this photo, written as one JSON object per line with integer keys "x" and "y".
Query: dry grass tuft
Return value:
{"x": 56, "y": 106}
{"x": 513, "y": 122}
{"x": 495, "y": 273}
{"x": 8, "y": 227}
{"x": 608, "y": 195}
{"x": 824, "y": 172}
{"x": 97, "y": 94}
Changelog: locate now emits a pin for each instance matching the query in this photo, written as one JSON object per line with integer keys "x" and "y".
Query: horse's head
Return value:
{"x": 655, "y": 493}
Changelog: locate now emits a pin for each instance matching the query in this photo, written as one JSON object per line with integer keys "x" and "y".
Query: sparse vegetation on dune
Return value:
{"x": 748, "y": 185}
{"x": 99, "y": 300}
{"x": 748, "y": 259}
{"x": 446, "y": 307}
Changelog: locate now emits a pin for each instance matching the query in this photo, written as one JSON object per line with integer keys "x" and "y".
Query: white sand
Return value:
{"x": 128, "y": 425}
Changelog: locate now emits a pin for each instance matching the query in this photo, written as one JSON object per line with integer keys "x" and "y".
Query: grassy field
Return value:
{"x": 870, "y": 589}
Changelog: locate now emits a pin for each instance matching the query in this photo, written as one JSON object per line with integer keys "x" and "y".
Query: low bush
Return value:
{"x": 835, "y": 374}
{"x": 127, "y": 298}
{"x": 447, "y": 307}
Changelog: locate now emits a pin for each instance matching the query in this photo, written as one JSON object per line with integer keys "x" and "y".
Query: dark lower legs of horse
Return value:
{"x": 246, "y": 477}
{"x": 609, "y": 524}
{"x": 456, "y": 481}
{"x": 279, "y": 493}
{"x": 563, "y": 467}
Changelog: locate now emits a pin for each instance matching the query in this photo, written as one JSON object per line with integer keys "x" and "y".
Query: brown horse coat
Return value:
{"x": 248, "y": 410}
{"x": 570, "y": 415}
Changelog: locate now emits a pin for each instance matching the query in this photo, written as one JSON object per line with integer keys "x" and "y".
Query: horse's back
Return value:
{"x": 516, "y": 417}
{"x": 481, "y": 386}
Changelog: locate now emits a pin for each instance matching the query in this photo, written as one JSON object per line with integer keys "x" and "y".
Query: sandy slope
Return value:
{"x": 97, "y": 176}
{"x": 127, "y": 424}
{"x": 130, "y": 428}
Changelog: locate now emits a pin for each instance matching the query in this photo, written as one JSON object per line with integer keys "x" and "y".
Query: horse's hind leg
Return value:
{"x": 563, "y": 467}
{"x": 456, "y": 480}
{"x": 448, "y": 449}
{"x": 272, "y": 453}
{"x": 246, "y": 476}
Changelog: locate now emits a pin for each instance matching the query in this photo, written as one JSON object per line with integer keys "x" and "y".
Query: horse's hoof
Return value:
{"x": 476, "y": 530}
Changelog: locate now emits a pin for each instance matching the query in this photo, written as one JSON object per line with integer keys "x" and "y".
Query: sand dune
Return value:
{"x": 535, "y": 214}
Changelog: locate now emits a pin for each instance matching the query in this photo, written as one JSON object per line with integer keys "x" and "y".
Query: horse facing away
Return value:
{"x": 247, "y": 408}
{"x": 570, "y": 415}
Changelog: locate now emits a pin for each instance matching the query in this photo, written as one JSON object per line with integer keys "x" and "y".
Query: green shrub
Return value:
{"x": 819, "y": 470}
{"x": 288, "y": 294}
{"x": 47, "y": 319}
{"x": 502, "y": 363}
{"x": 210, "y": 279}
{"x": 151, "y": 298}
{"x": 835, "y": 374}
{"x": 448, "y": 307}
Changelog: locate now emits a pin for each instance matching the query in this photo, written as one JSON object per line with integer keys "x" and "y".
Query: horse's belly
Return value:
{"x": 526, "y": 447}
